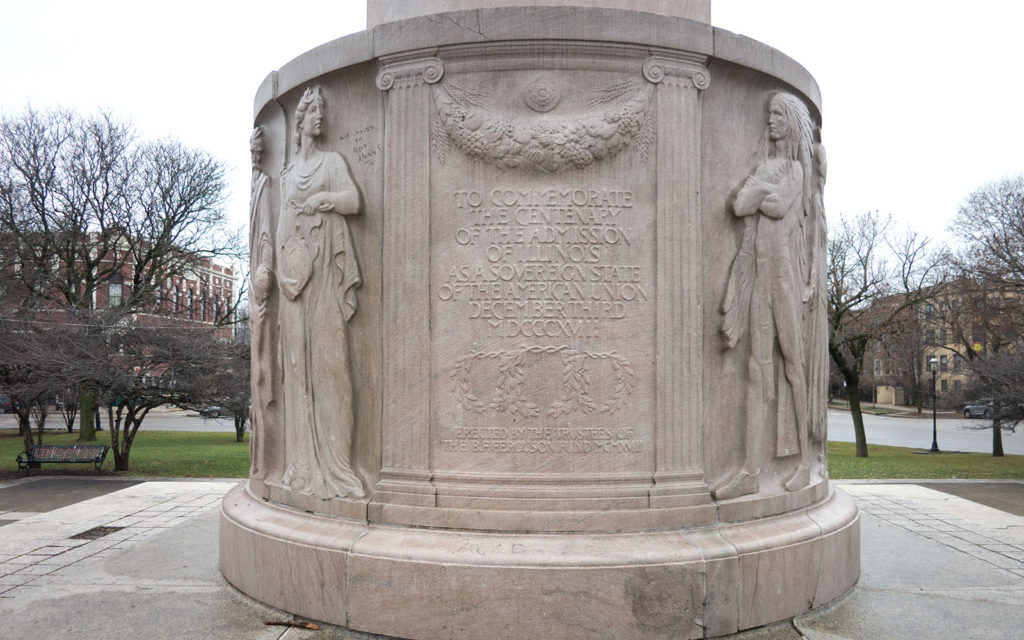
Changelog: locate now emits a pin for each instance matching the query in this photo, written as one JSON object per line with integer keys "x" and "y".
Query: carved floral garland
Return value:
{"x": 512, "y": 379}
{"x": 545, "y": 143}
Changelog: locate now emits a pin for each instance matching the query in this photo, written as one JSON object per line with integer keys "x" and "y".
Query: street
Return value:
{"x": 954, "y": 434}
{"x": 159, "y": 419}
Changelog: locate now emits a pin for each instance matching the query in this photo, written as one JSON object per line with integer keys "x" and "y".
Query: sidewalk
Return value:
{"x": 897, "y": 410}
{"x": 935, "y": 566}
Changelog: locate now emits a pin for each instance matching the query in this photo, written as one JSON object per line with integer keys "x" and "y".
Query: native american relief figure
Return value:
{"x": 318, "y": 275}
{"x": 774, "y": 292}
{"x": 816, "y": 313}
{"x": 261, "y": 255}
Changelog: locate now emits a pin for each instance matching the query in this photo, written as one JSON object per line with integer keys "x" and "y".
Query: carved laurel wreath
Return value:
{"x": 512, "y": 379}
{"x": 553, "y": 145}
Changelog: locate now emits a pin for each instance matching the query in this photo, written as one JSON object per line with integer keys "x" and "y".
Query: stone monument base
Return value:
{"x": 430, "y": 584}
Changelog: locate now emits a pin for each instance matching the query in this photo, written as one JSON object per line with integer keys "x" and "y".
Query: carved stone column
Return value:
{"x": 679, "y": 475}
{"x": 405, "y": 473}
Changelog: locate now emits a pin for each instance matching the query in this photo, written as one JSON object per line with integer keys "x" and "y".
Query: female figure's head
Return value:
{"x": 309, "y": 115}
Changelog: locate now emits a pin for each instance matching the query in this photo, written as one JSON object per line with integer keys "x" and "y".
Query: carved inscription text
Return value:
{"x": 544, "y": 440}
{"x": 544, "y": 263}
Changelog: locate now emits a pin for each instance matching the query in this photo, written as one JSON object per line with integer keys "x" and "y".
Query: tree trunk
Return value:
{"x": 239, "y": 428}
{"x": 24, "y": 422}
{"x": 41, "y": 421}
{"x": 124, "y": 423}
{"x": 86, "y": 407}
{"x": 853, "y": 387}
{"x": 114, "y": 427}
{"x": 121, "y": 460}
{"x": 69, "y": 411}
{"x": 997, "y": 437}
{"x": 25, "y": 429}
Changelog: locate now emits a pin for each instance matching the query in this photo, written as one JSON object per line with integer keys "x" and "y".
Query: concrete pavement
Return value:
{"x": 936, "y": 565}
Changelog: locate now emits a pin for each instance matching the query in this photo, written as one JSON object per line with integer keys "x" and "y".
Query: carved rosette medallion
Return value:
{"x": 542, "y": 94}
{"x": 619, "y": 115}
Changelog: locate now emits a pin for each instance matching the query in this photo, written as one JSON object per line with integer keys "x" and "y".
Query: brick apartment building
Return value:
{"x": 203, "y": 293}
{"x": 939, "y": 335}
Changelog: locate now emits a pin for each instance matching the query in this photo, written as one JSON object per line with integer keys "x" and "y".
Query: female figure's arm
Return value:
{"x": 341, "y": 198}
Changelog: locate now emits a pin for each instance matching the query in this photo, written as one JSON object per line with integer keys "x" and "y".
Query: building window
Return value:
{"x": 944, "y": 384}
{"x": 174, "y": 299}
{"x": 191, "y": 303}
{"x": 202, "y": 307}
{"x": 878, "y": 368}
{"x": 115, "y": 291}
{"x": 957, "y": 385}
{"x": 929, "y": 309}
{"x": 943, "y": 363}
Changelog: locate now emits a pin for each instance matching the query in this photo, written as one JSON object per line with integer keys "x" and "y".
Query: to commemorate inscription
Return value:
{"x": 771, "y": 298}
{"x": 544, "y": 262}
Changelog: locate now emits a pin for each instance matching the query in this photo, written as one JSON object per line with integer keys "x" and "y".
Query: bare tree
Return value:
{"x": 85, "y": 203}
{"x": 132, "y": 369}
{"x": 67, "y": 400}
{"x": 991, "y": 223}
{"x": 227, "y": 383}
{"x": 875, "y": 283}
{"x": 987, "y": 306}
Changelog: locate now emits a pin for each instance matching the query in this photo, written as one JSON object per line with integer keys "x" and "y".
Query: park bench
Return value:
{"x": 86, "y": 453}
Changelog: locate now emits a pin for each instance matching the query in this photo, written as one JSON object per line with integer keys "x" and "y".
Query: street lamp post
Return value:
{"x": 933, "y": 364}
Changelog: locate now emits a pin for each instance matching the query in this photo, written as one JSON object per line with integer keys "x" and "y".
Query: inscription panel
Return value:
{"x": 542, "y": 285}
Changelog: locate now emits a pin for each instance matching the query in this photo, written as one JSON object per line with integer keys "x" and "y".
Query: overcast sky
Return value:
{"x": 921, "y": 104}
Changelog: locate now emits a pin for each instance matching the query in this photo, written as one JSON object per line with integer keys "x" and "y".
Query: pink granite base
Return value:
{"x": 440, "y": 583}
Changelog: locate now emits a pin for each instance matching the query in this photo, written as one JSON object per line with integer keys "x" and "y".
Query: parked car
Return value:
{"x": 214, "y": 411}
{"x": 6, "y": 405}
{"x": 979, "y": 409}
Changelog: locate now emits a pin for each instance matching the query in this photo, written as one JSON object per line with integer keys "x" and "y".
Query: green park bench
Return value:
{"x": 86, "y": 453}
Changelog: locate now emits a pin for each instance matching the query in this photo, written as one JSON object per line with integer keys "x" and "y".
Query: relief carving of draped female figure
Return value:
{"x": 261, "y": 251}
{"x": 318, "y": 276}
{"x": 771, "y": 298}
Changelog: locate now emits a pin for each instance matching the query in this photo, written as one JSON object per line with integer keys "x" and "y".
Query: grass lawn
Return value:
{"x": 184, "y": 454}
{"x": 191, "y": 454}
{"x": 897, "y": 462}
